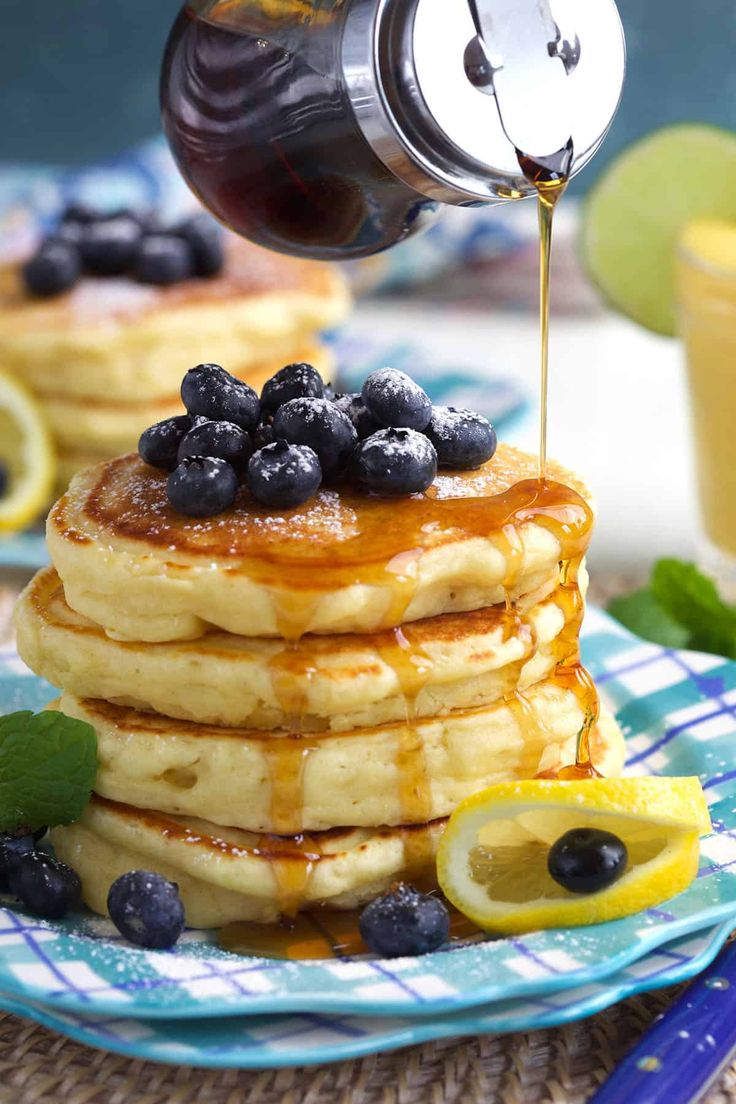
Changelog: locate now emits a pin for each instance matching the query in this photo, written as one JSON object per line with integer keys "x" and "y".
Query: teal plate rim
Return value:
{"x": 678, "y": 711}
{"x": 291, "y": 1040}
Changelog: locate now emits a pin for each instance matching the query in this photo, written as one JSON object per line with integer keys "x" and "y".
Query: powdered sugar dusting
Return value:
{"x": 130, "y": 501}
{"x": 400, "y": 444}
{"x": 447, "y": 419}
{"x": 94, "y": 300}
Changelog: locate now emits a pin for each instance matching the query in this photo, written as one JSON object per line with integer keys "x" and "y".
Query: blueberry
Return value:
{"x": 163, "y": 259}
{"x": 462, "y": 438}
{"x": 586, "y": 860}
{"x": 404, "y": 922}
{"x": 152, "y": 222}
{"x": 55, "y": 267}
{"x": 202, "y": 486}
{"x": 109, "y": 245}
{"x": 159, "y": 444}
{"x": 4, "y": 479}
{"x": 80, "y": 213}
{"x": 204, "y": 238}
{"x": 319, "y": 424}
{"x": 394, "y": 462}
{"x": 394, "y": 399}
{"x": 358, "y": 413}
{"x": 47, "y": 888}
{"x": 263, "y": 434}
{"x": 69, "y": 232}
{"x": 146, "y": 908}
{"x": 73, "y": 222}
{"x": 222, "y": 439}
{"x": 213, "y": 393}
{"x": 283, "y": 475}
{"x": 295, "y": 381}
{"x": 11, "y": 848}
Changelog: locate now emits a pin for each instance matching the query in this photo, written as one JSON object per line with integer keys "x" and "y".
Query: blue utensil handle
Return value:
{"x": 686, "y": 1046}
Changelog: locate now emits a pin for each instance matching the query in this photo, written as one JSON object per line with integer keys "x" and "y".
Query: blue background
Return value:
{"x": 78, "y": 78}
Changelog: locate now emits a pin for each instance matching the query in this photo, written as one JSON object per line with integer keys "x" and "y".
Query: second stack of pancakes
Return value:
{"x": 288, "y": 707}
{"x": 104, "y": 358}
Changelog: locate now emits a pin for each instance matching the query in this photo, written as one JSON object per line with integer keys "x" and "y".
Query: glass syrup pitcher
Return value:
{"x": 336, "y": 128}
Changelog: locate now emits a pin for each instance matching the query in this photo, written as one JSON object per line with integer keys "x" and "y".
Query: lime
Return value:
{"x": 637, "y": 210}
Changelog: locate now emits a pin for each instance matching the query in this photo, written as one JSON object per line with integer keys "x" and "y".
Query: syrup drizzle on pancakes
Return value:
{"x": 347, "y": 540}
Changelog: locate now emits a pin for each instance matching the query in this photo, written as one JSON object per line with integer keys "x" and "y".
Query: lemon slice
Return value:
{"x": 26, "y": 454}
{"x": 492, "y": 860}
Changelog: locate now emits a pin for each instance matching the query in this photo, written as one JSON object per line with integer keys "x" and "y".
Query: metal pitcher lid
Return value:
{"x": 445, "y": 107}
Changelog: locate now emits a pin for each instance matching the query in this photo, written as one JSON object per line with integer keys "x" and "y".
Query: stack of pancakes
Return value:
{"x": 105, "y": 358}
{"x": 288, "y": 706}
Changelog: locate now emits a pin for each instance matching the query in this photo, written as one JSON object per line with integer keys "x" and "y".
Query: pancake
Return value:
{"x": 287, "y": 783}
{"x": 225, "y": 875}
{"x": 342, "y": 563}
{"x": 337, "y": 682}
{"x": 115, "y": 339}
{"x": 71, "y": 461}
{"x": 108, "y": 428}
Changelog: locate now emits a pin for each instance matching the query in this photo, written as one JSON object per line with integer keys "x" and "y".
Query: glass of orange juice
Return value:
{"x": 706, "y": 281}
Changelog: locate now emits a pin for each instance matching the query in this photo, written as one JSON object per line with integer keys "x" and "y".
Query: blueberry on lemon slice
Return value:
{"x": 546, "y": 853}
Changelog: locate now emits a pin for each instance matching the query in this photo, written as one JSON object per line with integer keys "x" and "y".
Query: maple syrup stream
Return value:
{"x": 550, "y": 176}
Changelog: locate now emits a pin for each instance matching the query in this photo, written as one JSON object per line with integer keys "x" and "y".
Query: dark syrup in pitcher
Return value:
{"x": 236, "y": 102}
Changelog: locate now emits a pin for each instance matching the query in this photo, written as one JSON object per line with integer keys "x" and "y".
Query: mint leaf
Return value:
{"x": 692, "y": 600}
{"x": 48, "y": 763}
{"x": 680, "y": 608}
{"x": 642, "y": 614}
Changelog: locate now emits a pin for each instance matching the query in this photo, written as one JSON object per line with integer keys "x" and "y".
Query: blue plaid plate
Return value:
{"x": 267, "y": 1042}
{"x": 677, "y": 710}
{"x": 450, "y": 384}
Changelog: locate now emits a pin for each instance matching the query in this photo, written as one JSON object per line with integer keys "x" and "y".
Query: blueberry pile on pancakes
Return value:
{"x": 122, "y": 243}
{"x": 99, "y": 319}
{"x": 386, "y": 440}
{"x": 294, "y": 685}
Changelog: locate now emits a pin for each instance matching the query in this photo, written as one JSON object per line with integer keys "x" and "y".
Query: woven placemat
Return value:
{"x": 561, "y": 1066}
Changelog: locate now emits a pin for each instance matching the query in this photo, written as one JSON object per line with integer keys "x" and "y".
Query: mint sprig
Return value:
{"x": 48, "y": 763}
{"x": 681, "y": 608}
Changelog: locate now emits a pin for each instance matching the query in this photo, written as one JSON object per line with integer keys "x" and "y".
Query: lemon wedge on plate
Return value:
{"x": 26, "y": 457}
{"x": 492, "y": 861}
